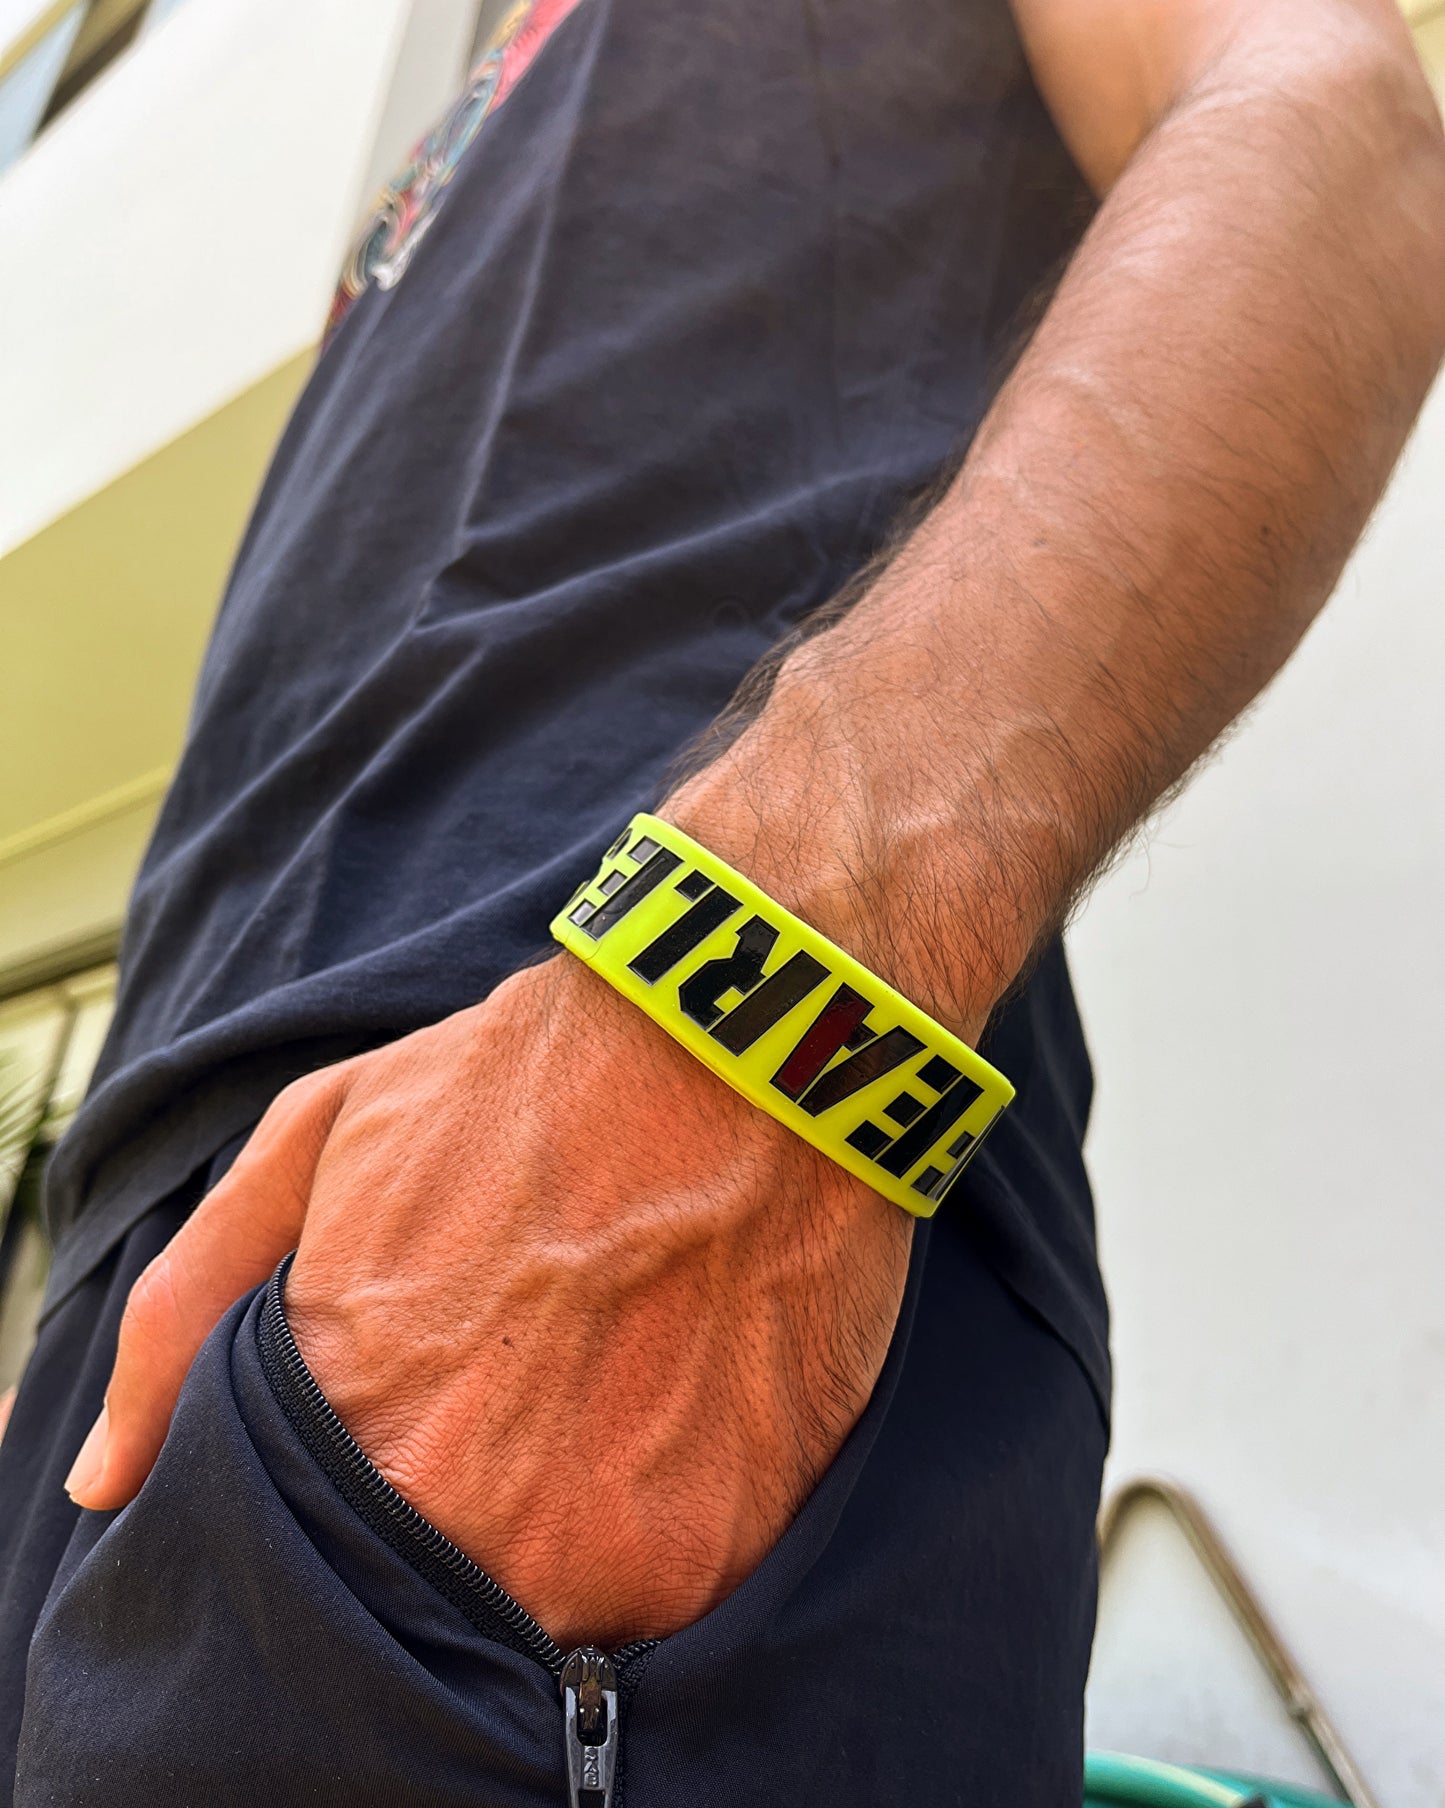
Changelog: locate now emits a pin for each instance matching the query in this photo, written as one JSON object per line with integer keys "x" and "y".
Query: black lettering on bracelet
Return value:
{"x": 691, "y": 929}
{"x": 937, "y": 1183}
{"x": 769, "y": 1003}
{"x": 881, "y": 1056}
{"x": 623, "y": 894}
{"x": 915, "y": 1142}
{"x": 923, "y": 1126}
{"x": 739, "y": 971}
{"x": 835, "y": 1026}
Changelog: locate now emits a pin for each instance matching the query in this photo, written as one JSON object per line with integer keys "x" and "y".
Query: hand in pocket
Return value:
{"x": 599, "y": 1319}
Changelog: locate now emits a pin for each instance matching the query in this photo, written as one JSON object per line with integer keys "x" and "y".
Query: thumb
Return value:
{"x": 231, "y": 1243}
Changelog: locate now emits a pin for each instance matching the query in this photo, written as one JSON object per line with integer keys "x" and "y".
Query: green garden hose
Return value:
{"x": 1113, "y": 1781}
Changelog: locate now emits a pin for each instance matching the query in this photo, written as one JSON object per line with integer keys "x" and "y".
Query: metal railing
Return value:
{"x": 1286, "y": 1677}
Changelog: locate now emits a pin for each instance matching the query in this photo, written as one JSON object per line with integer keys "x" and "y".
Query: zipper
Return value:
{"x": 591, "y": 1682}
{"x": 589, "y": 1726}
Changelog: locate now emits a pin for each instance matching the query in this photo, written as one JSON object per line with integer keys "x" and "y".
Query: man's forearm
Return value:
{"x": 1158, "y": 503}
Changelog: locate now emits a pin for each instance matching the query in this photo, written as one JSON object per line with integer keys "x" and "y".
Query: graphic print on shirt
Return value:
{"x": 407, "y": 206}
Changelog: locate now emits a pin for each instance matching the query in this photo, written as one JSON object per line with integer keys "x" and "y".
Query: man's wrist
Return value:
{"x": 897, "y": 881}
{"x": 739, "y": 1152}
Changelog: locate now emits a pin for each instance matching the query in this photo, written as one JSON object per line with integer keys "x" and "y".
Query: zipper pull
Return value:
{"x": 589, "y": 1707}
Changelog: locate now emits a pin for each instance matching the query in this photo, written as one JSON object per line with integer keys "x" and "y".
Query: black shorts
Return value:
{"x": 243, "y": 1634}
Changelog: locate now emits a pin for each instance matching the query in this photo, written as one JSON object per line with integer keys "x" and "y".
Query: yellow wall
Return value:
{"x": 1430, "y": 36}
{"x": 1428, "y": 19}
{"x": 104, "y": 617}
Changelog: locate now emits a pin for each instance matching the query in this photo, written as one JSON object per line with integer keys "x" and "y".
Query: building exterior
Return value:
{"x": 179, "y": 182}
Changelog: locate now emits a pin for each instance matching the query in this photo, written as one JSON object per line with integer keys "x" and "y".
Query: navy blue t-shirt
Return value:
{"x": 638, "y": 364}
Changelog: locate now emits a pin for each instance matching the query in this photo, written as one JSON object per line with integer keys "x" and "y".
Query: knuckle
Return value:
{"x": 307, "y": 1103}
{"x": 300, "y": 1098}
{"x": 149, "y": 1308}
{"x": 298, "y": 1117}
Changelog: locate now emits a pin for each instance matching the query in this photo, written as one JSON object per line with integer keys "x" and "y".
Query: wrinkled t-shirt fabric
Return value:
{"x": 638, "y": 363}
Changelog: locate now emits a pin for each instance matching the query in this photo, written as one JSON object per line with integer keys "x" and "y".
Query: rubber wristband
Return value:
{"x": 784, "y": 1016}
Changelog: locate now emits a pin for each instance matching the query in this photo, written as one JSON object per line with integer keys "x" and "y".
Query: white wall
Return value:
{"x": 175, "y": 235}
{"x": 1264, "y": 989}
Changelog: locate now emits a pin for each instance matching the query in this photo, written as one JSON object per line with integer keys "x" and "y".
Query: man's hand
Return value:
{"x": 596, "y": 1316}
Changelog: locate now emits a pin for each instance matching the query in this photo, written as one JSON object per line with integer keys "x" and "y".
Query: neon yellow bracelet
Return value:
{"x": 788, "y": 1019}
